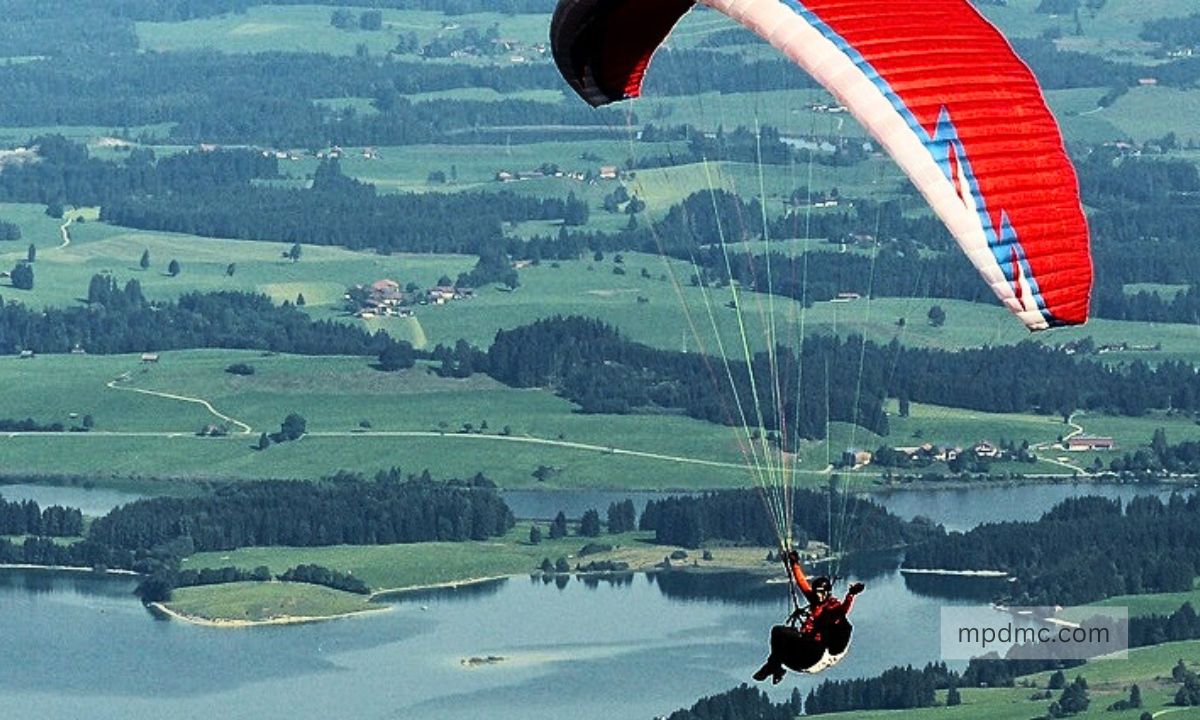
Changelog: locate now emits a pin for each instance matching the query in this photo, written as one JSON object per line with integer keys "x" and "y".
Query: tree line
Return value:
{"x": 1160, "y": 457}
{"x": 26, "y": 517}
{"x": 66, "y": 173}
{"x": 9, "y": 231}
{"x": 346, "y": 511}
{"x": 740, "y": 516}
{"x": 123, "y": 321}
{"x": 740, "y": 703}
{"x": 160, "y": 586}
{"x": 336, "y": 210}
{"x": 591, "y": 364}
{"x": 1084, "y": 549}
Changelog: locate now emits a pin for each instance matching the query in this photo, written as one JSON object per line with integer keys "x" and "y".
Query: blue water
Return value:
{"x": 75, "y": 646}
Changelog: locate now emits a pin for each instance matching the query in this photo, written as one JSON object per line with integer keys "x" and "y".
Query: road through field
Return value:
{"x": 246, "y": 429}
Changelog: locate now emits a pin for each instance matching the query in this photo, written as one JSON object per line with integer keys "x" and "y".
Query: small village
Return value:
{"x": 984, "y": 451}
{"x": 385, "y": 298}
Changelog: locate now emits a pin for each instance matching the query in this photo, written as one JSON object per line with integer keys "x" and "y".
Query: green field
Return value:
{"x": 147, "y": 415}
{"x": 414, "y": 422}
{"x": 389, "y": 567}
{"x": 307, "y": 28}
{"x": 1155, "y": 603}
{"x": 1108, "y": 681}
{"x": 575, "y": 287}
{"x": 256, "y": 602}
{"x": 1148, "y": 113}
{"x": 416, "y": 564}
{"x": 62, "y": 273}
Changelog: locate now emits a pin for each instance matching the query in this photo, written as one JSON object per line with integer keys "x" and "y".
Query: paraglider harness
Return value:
{"x": 801, "y": 611}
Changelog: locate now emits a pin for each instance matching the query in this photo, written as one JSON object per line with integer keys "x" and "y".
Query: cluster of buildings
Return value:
{"x": 385, "y": 298}
{"x": 335, "y": 152}
{"x": 605, "y": 172}
{"x": 929, "y": 453}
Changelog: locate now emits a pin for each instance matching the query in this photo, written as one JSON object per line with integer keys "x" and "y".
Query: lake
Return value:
{"x": 586, "y": 650}
{"x": 634, "y": 649}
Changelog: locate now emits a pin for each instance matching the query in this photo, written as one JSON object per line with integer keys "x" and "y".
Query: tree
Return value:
{"x": 300, "y": 300}
{"x": 173, "y": 268}
{"x": 89, "y": 422}
{"x": 952, "y": 697}
{"x": 904, "y": 405}
{"x": 144, "y": 263}
{"x": 589, "y": 524}
{"x": 562, "y": 566}
{"x": 240, "y": 368}
{"x": 264, "y": 442}
{"x": 294, "y": 425}
{"x": 535, "y": 535}
{"x": 621, "y": 517}
{"x": 230, "y": 269}
{"x": 370, "y": 20}
{"x": 396, "y": 356}
{"x": 1135, "y": 696}
{"x": 546, "y": 566}
{"x": 55, "y": 210}
{"x": 937, "y": 316}
{"x": 558, "y": 528}
{"x": 294, "y": 252}
{"x": 31, "y": 253}
{"x": 22, "y": 276}
{"x": 1057, "y": 681}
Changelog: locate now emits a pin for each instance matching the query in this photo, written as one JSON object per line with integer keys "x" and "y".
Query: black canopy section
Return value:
{"x": 602, "y": 47}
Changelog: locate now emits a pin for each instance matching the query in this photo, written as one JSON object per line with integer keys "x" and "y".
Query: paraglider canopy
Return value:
{"x": 935, "y": 84}
{"x": 602, "y": 47}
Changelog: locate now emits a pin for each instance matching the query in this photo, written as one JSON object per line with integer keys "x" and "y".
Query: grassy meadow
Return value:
{"x": 1108, "y": 681}
{"x": 307, "y": 28}
{"x": 386, "y": 567}
{"x": 262, "y": 601}
{"x": 147, "y": 416}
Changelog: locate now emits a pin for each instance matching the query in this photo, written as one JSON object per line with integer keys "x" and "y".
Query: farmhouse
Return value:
{"x": 382, "y": 298}
{"x": 853, "y": 457}
{"x": 1083, "y": 443}
{"x": 149, "y": 357}
{"x": 985, "y": 449}
{"x": 608, "y": 172}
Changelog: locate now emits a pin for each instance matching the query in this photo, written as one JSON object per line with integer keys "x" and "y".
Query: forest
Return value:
{"x": 1082, "y": 550}
{"x": 344, "y": 511}
{"x": 591, "y": 364}
{"x": 26, "y": 517}
{"x": 121, "y": 320}
{"x": 740, "y": 516}
{"x": 338, "y": 210}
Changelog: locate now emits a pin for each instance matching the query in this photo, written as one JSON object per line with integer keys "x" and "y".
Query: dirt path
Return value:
{"x": 537, "y": 441}
{"x": 1076, "y": 429}
{"x": 66, "y": 236}
{"x": 246, "y": 429}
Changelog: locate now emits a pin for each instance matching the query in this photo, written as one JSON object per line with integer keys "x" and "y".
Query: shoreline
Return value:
{"x": 69, "y": 568}
{"x": 859, "y": 484}
{"x": 447, "y": 584}
{"x": 280, "y": 620}
{"x": 961, "y": 573}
